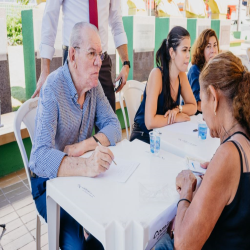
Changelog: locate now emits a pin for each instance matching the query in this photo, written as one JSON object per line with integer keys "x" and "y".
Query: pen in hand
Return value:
{"x": 99, "y": 143}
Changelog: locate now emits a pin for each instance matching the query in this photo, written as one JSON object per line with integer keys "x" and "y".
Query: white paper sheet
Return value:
{"x": 195, "y": 166}
{"x": 120, "y": 172}
{"x": 188, "y": 129}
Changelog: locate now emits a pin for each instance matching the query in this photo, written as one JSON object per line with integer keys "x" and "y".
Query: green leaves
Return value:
{"x": 14, "y": 26}
{"x": 23, "y": 2}
{"x": 14, "y": 30}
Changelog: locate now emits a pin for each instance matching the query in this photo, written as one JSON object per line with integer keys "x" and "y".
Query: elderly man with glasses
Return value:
{"x": 71, "y": 102}
{"x": 101, "y": 13}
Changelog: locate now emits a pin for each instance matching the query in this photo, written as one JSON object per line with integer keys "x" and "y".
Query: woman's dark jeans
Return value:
{"x": 137, "y": 133}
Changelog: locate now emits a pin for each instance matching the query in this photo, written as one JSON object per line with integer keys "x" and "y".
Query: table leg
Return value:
{"x": 53, "y": 215}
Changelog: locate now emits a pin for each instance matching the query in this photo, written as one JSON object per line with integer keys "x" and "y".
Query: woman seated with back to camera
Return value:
{"x": 217, "y": 216}
{"x": 204, "y": 49}
{"x": 161, "y": 99}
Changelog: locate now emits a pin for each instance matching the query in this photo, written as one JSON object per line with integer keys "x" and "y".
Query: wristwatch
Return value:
{"x": 126, "y": 63}
{"x": 180, "y": 108}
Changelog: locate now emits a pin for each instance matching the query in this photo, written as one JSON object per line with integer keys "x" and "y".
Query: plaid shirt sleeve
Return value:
{"x": 45, "y": 159}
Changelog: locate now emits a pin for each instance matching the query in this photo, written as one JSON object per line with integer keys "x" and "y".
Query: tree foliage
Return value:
{"x": 23, "y": 2}
{"x": 14, "y": 30}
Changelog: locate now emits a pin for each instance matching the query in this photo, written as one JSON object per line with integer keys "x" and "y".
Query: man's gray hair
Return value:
{"x": 76, "y": 37}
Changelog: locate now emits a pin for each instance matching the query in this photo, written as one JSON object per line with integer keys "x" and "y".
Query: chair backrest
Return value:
{"x": 248, "y": 54}
{"x": 131, "y": 94}
{"x": 26, "y": 114}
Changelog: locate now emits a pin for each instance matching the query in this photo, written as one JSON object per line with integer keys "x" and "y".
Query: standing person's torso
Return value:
{"x": 232, "y": 230}
{"x": 75, "y": 11}
{"x": 140, "y": 115}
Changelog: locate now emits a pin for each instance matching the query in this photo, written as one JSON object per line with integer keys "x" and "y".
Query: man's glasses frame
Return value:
{"x": 92, "y": 54}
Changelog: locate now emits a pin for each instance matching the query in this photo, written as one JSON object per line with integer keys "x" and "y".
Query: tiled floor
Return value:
{"x": 17, "y": 211}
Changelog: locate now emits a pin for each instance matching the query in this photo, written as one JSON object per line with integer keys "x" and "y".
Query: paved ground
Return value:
{"x": 18, "y": 212}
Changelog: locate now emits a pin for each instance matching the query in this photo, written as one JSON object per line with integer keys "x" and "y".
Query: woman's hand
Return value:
{"x": 171, "y": 115}
{"x": 181, "y": 117}
{"x": 185, "y": 181}
{"x": 205, "y": 164}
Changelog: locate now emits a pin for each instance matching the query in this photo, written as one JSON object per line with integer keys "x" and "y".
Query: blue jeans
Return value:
{"x": 71, "y": 232}
{"x": 165, "y": 243}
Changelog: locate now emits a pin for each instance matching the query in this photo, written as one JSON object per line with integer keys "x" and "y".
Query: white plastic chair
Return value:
{"x": 248, "y": 54}
{"x": 26, "y": 114}
{"x": 131, "y": 94}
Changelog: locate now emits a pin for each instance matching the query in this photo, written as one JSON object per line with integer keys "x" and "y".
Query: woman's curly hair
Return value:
{"x": 199, "y": 46}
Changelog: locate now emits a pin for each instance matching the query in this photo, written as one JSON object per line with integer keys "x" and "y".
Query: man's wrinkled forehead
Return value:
{"x": 92, "y": 41}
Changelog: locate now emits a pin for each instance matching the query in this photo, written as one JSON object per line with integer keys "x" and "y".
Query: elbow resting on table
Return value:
{"x": 192, "y": 109}
{"x": 149, "y": 124}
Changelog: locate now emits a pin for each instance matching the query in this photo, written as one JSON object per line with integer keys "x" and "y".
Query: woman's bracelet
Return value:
{"x": 183, "y": 200}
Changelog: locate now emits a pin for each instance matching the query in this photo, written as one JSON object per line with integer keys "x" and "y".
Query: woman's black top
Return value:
{"x": 232, "y": 230}
{"x": 140, "y": 115}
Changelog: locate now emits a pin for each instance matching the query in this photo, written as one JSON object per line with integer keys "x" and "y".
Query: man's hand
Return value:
{"x": 40, "y": 83}
{"x": 124, "y": 75}
{"x": 45, "y": 70}
{"x": 99, "y": 161}
{"x": 74, "y": 150}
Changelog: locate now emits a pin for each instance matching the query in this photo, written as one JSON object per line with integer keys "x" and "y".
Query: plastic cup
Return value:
{"x": 155, "y": 142}
{"x": 202, "y": 131}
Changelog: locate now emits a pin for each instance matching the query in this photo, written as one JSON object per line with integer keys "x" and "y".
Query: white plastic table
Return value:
{"x": 180, "y": 139}
{"x": 131, "y": 215}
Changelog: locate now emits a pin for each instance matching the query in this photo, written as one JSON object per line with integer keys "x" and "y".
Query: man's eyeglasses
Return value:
{"x": 93, "y": 55}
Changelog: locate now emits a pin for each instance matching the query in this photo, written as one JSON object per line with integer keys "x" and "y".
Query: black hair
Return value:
{"x": 173, "y": 40}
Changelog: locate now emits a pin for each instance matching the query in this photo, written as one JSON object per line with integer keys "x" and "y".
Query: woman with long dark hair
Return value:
{"x": 161, "y": 100}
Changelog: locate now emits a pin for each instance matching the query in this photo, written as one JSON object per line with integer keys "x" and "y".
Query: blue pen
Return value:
{"x": 193, "y": 165}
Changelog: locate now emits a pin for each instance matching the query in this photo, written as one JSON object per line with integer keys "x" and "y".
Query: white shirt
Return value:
{"x": 74, "y": 11}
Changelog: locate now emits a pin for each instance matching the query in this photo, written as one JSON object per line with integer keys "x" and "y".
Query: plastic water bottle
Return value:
{"x": 202, "y": 131}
